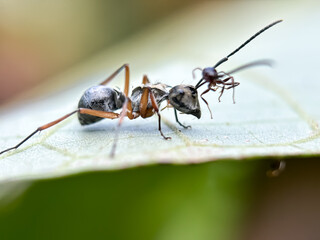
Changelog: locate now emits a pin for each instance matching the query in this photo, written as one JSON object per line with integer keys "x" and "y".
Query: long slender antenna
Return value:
{"x": 245, "y": 43}
{"x": 264, "y": 62}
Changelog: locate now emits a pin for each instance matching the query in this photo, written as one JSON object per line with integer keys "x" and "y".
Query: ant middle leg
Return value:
{"x": 126, "y": 107}
{"x": 127, "y": 76}
{"x": 148, "y": 112}
{"x": 145, "y": 112}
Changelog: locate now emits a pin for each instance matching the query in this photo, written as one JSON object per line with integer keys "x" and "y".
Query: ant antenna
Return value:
{"x": 245, "y": 43}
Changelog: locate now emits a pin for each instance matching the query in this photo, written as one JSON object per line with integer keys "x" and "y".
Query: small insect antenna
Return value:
{"x": 245, "y": 43}
{"x": 263, "y": 62}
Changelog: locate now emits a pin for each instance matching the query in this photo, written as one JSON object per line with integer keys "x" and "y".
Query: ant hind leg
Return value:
{"x": 91, "y": 112}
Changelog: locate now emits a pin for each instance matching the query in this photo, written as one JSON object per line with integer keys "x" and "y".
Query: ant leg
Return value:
{"x": 127, "y": 110}
{"x": 193, "y": 74}
{"x": 177, "y": 120}
{"x": 148, "y": 112}
{"x": 145, "y": 80}
{"x": 206, "y": 101}
{"x": 102, "y": 114}
{"x": 144, "y": 110}
{"x": 126, "y": 107}
{"x": 155, "y": 107}
{"x": 127, "y": 73}
{"x": 96, "y": 113}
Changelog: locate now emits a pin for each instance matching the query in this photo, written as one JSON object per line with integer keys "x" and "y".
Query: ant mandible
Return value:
{"x": 224, "y": 80}
{"x": 100, "y": 101}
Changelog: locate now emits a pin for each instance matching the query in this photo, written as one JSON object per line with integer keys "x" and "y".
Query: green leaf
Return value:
{"x": 275, "y": 114}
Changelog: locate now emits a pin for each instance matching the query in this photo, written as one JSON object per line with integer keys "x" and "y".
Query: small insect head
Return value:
{"x": 209, "y": 72}
{"x": 185, "y": 99}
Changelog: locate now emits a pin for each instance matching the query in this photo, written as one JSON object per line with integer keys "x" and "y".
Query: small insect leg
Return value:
{"x": 193, "y": 72}
{"x": 222, "y": 90}
{"x": 206, "y": 91}
{"x": 224, "y": 82}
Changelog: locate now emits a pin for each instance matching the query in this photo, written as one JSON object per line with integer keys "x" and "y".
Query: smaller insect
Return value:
{"x": 222, "y": 79}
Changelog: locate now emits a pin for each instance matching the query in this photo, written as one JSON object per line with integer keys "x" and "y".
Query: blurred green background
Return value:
{"x": 204, "y": 201}
{"x": 217, "y": 200}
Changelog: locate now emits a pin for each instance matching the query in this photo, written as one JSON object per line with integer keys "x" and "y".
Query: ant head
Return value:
{"x": 185, "y": 99}
{"x": 209, "y": 72}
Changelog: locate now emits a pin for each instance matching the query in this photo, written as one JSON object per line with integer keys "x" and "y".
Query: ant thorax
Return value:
{"x": 159, "y": 91}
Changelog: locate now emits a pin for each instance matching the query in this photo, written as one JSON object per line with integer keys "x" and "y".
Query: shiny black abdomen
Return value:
{"x": 100, "y": 98}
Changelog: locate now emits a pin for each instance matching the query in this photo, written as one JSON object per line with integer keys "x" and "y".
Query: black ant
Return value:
{"x": 224, "y": 80}
{"x": 100, "y": 101}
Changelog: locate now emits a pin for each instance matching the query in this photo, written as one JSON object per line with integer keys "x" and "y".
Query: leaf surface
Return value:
{"x": 276, "y": 111}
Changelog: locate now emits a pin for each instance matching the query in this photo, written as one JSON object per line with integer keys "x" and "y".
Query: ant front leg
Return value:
{"x": 155, "y": 107}
{"x": 91, "y": 112}
{"x": 177, "y": 120}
